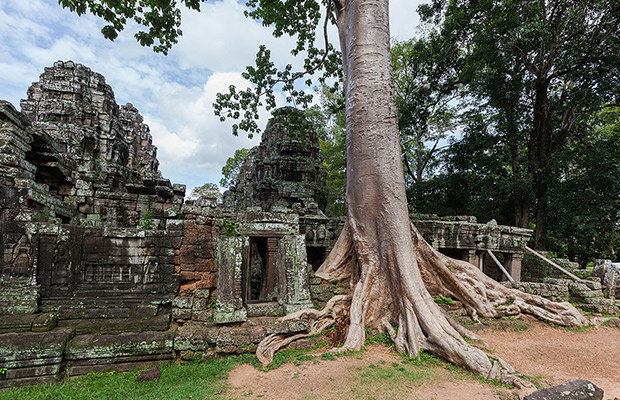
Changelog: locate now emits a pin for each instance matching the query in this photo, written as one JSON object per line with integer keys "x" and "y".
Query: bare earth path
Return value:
{"x": 560, "y": 355}
{"x": 556, "y": 355}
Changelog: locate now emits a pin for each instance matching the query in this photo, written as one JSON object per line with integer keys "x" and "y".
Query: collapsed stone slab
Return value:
{"x": 575, "y": 390}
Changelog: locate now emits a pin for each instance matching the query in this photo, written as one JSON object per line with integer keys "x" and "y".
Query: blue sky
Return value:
{"x": 174, "y": 93}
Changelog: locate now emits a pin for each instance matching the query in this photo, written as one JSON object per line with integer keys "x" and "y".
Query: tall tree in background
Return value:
{"x": 584, "y": 192}
{"x": 230, "y": 170}
{"x": 426, "y": 90}
{"x": 475, "y": 176}
{"x": 209, "y": 190}
{"x": 391, "y": 269}
{"x": 329, "y": 120}
{"x": 557, "y": 58}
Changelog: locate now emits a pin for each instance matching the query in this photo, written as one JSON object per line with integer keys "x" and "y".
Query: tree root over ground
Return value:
{"x": 394, "y": 289}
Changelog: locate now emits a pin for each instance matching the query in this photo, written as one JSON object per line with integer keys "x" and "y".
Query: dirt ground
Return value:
{"x": 552, "y": 355}
{"x": 560, "y": 355}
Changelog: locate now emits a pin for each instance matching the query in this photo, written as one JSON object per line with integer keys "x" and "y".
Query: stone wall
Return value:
{"x": 195, "y": 261}
{"x": 609, "y": 274}
{"x": 101, "y": 257}
{"x": 534, "y": 269}
{"x": 586, "y": 294}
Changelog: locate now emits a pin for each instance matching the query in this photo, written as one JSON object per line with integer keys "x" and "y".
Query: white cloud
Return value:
{"x": 404, "y": 18}
{"x": 221, "y": 38}
{"x": 188, "y": 135}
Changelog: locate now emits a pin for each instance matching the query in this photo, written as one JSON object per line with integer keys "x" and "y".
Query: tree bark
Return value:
{"x": 388, "y": 264}
{"x": 539, "y": 158}
{"x": 521, "y": 197}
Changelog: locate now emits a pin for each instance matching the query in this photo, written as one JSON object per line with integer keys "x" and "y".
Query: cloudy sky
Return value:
{"x": 174, "y": 93}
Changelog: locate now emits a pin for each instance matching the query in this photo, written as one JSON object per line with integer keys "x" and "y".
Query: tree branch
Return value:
{"x": 407, "y": 165}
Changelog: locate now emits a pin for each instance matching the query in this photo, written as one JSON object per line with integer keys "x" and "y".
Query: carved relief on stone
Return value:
{"x": 22, "y": 258}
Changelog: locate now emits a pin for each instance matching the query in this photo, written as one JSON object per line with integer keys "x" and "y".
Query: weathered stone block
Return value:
{"x": 270, "y": 309}
{"x": 32, "y": 358}
{"x": 89, "y": 347}
{"x": 44, "y": 322}
{"x": 575, "y": 390}
{"x": 149, "y": 375}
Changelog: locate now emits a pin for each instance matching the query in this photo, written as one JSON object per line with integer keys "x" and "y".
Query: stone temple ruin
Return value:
{"x": 105, "y": 265}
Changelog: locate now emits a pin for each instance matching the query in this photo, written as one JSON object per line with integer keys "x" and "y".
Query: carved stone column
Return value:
{"x": 230, "y": 252}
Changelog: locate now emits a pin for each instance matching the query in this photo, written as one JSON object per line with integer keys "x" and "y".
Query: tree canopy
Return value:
{"x": 541, "y": 69}
{"x": 161, "y": 20}
{"x": 426, "y": 96}
{"x": 207, "y": 190}
{"x": 230, "y": 170}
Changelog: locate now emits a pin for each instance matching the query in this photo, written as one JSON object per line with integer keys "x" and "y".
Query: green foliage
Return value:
{"x": 161, "y": 19}
{"x": 443, "y": 300}
{"x": 382, "y": 338}
{"x": 425, "y": 359}
{"x": 209, "y": 190}
{"x": 147, "y": 222}
{"x": 285, "y": 356}
{"x": 229, "y": 228}
{"x": 42, "y": 215}
{"x": 535, "y": 73}
{"x": 426, "y": 92}
{"x": 299, "y": 19}
{"x": 476, "y": 178}
{"x": 329, "y": 119}
{"x": 328, "y": 356}
{"x": 296, "y": 19}
{"x": 177, "y": 382}
{"x": 584, "y": 205}
{"x": 579, "y": 329}
{"x": 230, "y": 170}
{"x": 213, "y": 303}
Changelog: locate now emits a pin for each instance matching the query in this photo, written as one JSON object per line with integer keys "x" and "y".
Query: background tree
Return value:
{"x": 558, "y": 58}
{"x": 328, "y": 118}
{"x": 584, "y": 193}
{"x": 230, "y": 170}
{"x": 475, "y": 178}
{"x": 426, "y": 93}
{"x": 388, "y": 264}
{"x": 207, "y": 190}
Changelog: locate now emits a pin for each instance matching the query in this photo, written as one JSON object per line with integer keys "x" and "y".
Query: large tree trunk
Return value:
{"x": 540, "y": 144}
{"x": 379, "y": 251}
{"x": 521, "y": 195}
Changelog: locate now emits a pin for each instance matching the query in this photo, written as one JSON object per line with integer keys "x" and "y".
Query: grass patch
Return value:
{"x": 520, "y": 327}
{"x": 204, "y": 380}
{"x": 426, "y": 360}
{"x": 535, "y": 380}
{"x": 443, "y": 300}
{"x": 578, "y": 329}
{"x": 197, "y": 380}
{"x": 387, "y": 380}
{"x": 296, "y": 357}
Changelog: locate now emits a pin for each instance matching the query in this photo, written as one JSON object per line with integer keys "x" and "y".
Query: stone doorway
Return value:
{"x": 316, "y": 256}
{"x": 260, "y": 282}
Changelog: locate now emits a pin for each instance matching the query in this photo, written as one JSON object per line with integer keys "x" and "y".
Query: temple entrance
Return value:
{"x": 260, "y": 283}
{"x": 316, "y": 256}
